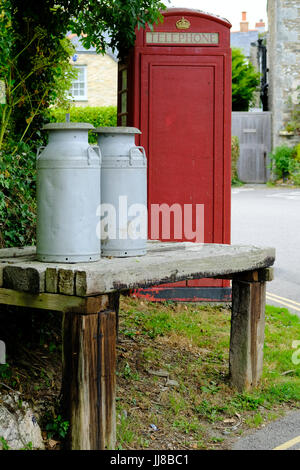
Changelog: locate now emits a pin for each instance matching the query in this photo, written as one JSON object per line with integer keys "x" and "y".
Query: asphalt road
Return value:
{"x": 271, "y": 217}
{"x": 283, "y": 434}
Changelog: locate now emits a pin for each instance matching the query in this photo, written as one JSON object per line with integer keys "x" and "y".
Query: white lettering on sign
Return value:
{"x": 182, "y": 38}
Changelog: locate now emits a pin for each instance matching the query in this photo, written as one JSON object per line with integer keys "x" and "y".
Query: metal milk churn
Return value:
{"x": 123, "y": 192}
{"x": 68, "y": 195}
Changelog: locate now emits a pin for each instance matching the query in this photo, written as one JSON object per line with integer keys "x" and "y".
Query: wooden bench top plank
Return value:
{"x": 164, "y": 262}
{"x": 17, "y": 252}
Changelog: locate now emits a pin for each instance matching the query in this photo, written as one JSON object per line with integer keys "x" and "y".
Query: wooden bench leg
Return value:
{"x": 89, "y": 377}
{"x": 247, "y": 333}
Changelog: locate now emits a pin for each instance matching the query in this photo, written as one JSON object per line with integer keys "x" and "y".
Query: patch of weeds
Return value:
{"x": 209, "y": 411}
{"x": 128, "y": 332}
{"x": 236, "y": 182}
{"x": 212, "y": 388}
{"x": 149, "y": 324}
{"x": 57, "y": 427}
{"x": 158, "y": 325}
{"x": 273, "y": 416}
{"x": 149, "y": 354}
{"x": 176, "y": 403}
{"x": 187, "y": 426}
{"x": 28, "y": 446}
{"x": 144, "y": 443}
{"x": 52, "y": 347}
{"x": 125, "y": 434}
{"x": 47, "y": 377}
{"x": 283, "y": 393}
{"x": 201, "y": 445}
{"x": 5, "y": 372}
{"x": 254, "y": 421}
{"x": 245, "y": 401}
{"x": 128, "y": 374}
{"x": 215, "y": 440}
{"x": 4, "y": 444}
{"x": 282, "y": 329}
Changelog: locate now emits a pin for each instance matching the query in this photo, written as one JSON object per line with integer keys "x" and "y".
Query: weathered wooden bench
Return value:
{"x": 88, "y": 297}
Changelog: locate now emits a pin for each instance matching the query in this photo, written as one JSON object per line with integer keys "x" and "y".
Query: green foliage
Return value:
{"x": 235, "y": 154}
{"x": 209, "y": 411}
{"x": 27, "y": 446}
{"x": 246, "y": 401}
{"x": 6, "y": 33}
{"x": 4, "y": 444}
{"x": 296, "y": 177}
{"x": 245, "y": 81}
{"x": 285, "y": 163}
{"x": 282, "y": 162}
{"x": 152, "y": 325}
{"x": 57, "y": 428}
{"x": 117, "y": 17}
{"x": 293, "y": 125}
{"x": 34, "y": 67}
{"x": 34, "y": 62}
{"x": 97, "y": 116}
{"x": 17, "y": 196}
{"x": 5, "y": 371}
{"x": 294, "y": 168}
{"x": 128, "y": 374}
{"x": 125, "y": 435}
{"x": 297, "y": 152}
{"x": 63, "y": 74}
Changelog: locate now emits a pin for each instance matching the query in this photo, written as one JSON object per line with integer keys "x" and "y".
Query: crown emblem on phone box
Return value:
{"x": 183, "y": 23}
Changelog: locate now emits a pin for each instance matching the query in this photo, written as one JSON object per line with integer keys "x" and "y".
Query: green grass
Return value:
{"x": 191, "y": 343}
{"x": 282, "y": 329}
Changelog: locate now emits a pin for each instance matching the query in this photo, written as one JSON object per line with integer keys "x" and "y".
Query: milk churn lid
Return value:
{"x": 56, "y": 126}
{"x": 117, "y": 130}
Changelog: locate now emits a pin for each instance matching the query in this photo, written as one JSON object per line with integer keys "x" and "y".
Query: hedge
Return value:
{"x": 17, "y": 196}
{"x": 95, "y": 115}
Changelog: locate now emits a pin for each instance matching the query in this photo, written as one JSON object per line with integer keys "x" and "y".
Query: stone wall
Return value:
{"x": 102, "y": 72}
{"x": 283, "y": 63}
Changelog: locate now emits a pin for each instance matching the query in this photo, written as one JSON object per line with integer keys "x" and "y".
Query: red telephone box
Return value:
{"x": 175, "y": 86}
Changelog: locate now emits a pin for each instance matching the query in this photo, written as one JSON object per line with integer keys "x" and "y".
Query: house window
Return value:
{"x": 78, "y": 90}
{"x": 123, "y": 96}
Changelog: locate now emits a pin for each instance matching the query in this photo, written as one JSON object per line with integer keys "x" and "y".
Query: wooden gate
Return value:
{"x": 254, "y": 133}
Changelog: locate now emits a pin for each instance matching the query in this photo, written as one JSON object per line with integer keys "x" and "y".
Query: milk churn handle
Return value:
{"x": 131, "y": 156}
{"x": 39, "y": 151}
{"x": 95, "y": 149}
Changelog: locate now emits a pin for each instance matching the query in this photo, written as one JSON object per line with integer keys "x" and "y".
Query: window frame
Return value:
{"x": 80, "y": 97}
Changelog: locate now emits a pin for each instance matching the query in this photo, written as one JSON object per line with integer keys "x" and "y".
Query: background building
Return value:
{"x": 250, "y": 42}
{"x": 243, "y": 38}
{"x": 284, "y": 65}
{"x": 96, "y": 83}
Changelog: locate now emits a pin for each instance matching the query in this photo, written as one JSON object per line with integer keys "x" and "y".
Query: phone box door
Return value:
{"x": 179, "y": 95}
